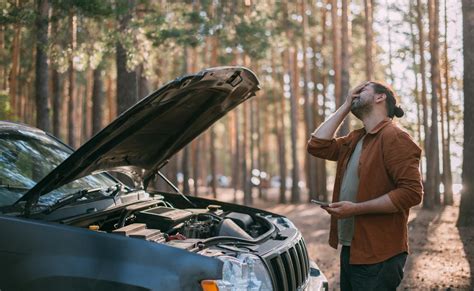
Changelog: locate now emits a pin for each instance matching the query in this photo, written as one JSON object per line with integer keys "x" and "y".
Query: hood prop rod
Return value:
{"x": 175, "y": 188}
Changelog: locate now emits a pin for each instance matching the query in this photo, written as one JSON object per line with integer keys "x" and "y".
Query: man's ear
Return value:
{"x": 380, "y": 97}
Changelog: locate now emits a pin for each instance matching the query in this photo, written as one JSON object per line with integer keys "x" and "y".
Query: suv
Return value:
{"x": 67, "y": 222}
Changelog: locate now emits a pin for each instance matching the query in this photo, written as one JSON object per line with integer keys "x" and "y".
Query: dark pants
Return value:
{"x": 385, "y": 275}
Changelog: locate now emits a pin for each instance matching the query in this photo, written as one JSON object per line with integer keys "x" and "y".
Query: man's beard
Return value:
{"x": 361, "y": 108}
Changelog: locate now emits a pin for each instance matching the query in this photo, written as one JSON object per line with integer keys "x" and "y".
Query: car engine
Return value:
{"x": 184, "y": 228}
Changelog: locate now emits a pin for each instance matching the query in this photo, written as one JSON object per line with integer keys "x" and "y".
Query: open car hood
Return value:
{"x": 144, "y": 137}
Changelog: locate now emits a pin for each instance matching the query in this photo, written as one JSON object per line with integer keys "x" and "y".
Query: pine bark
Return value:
{"x": 346, "y": 50}
{"x": 280, "y": 109}
{"x": 127, "y": 90}
{"x": 41, "y": 69}
{"x": 310, "y": 163}
{"x": 415, "y": 72}
{"x": 143, "y": 84}
{"x": 424, "y": 101}
{"x": 111, "y": 100}
{"x": 390, "y": 51}
{"x": 14, "y": 72}
{"x": 237, "y": 156}
{"x": 186, "y": 150}
{"x": 73, "y": 128}
{"x": 294, "y": 97}
{"x": 247, "y": 187}
{"x": 322, "y": 173}
{"x": 369, "y": 39}
{"x": 3, "y": 70}
{"x": 421, "y": 44}
{"x": 87, "y": 106}
{"x": 57, "y": 82}
{"x": 447, "y": 172}
{"x": 336, "y": 52}
{"x": 213, "y": 160}
{"x": 432, "y": 175}
{"x": 466, "y": 211}
{"x": 97, "y": 101}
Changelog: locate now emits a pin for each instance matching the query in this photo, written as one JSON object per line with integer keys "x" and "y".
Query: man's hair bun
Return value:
{"x": 398, "y": 111}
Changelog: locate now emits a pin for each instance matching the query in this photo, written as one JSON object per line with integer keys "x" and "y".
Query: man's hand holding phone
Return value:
{"x": 321, "y": 203}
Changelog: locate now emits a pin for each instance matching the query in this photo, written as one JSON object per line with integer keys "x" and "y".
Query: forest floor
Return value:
{"x": 441, "y": 255}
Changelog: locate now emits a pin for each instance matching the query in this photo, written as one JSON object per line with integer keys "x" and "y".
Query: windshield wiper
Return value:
{"x": 71, "y": 198}
{"x": 14, "y": 187}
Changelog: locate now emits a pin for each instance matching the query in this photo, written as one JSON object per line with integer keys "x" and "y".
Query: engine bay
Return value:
{"x": 193, "y": 229}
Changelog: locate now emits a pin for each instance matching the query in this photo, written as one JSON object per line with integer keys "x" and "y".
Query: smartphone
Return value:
{"x": 324, "y": 204}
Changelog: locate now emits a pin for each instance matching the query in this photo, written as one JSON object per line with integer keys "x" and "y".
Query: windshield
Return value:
{"x": 25, "y": 159}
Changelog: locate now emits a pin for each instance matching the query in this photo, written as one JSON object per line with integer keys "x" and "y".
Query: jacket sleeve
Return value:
{"x": 402, "y": 161}
{"x": 328, "y": 149}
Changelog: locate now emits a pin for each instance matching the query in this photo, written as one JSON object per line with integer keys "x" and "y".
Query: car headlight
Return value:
{"x": 244, "y": 272}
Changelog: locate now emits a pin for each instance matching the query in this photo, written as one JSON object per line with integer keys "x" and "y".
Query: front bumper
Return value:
{"x": 316, "y": 281}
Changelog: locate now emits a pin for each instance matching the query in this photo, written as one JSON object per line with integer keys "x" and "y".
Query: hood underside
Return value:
{"x": 144, "y": 137}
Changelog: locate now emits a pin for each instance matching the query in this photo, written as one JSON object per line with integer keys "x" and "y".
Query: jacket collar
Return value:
{"x": 386, "y": 121}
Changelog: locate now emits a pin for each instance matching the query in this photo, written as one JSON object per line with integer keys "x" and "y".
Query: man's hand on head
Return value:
{"x": 342, "y": 209}
{"x": 354, "y": 93}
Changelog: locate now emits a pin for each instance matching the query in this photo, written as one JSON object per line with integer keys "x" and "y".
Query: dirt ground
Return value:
{"x": 441, "y": 255}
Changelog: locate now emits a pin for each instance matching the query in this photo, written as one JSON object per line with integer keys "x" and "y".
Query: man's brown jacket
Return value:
{"x": 389, "y": 163}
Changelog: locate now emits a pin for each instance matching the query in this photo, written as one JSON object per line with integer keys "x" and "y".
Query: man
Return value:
{"x": 377, "y": 181}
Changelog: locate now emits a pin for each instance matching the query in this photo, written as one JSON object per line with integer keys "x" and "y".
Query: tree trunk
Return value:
{"x": 248, "y": 197}
{"x": 264, "y": 138}
{"x": 424, "y": 102}
{"x": 294, "y": 97}
{"x": 369, "y": 39}
{"x": 41, "y": 71}
{"x": 196, "y": 147}
{"x": 466, "y": 210}
{"x": 127, "y": 90}
{"x": 322, "y": 174}
{"x": 3, "y": 70}
{"x": 186, "y": 149}
{"x": 87, "y": 106}
{"x": 447, "y": 173}
{"x": 214, "y": 56}
{"x": 111, "y": 101}
{"x": 57, "y": 102}
{"x": 310, "y": 163}
{"x": 336, "y": 52}
{"x": 252, "y": 140}
{"x": 97, "y": 101}
{"x": 432, "y": 175}
{"x": 389, "y": 34}
{"x": 415, "y": 72}
{"x": 346, "y": 50}
{"x": 281, "y": 128}
{"x": 73, "y": 128}
{"x": 260, "y": 155}
{"x": 236, "y": 162}
{"x": 13, "y": 76}
{"x": 185, "y": 170}
{"x": 143, "y": 86}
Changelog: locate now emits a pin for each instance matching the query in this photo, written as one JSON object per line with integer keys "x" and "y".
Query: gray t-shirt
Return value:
{"x": 349, "y": 187}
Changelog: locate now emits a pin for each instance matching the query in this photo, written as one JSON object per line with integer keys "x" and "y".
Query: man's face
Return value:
{"x": 363, "y": 103}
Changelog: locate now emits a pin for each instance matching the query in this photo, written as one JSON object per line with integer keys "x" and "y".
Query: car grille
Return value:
{"x": 290, "y": 268}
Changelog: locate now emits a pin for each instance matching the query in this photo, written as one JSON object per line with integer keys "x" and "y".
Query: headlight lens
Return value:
{"x": 244, "y": 272}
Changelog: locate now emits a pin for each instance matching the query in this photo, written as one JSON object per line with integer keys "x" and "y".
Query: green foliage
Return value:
{"x": 22, "y": 15}
{"x": 5, "y": 109}
{"x": 253, "y": 38}
{"x": 188, "y": 29}
{"x": 88, "y": 8}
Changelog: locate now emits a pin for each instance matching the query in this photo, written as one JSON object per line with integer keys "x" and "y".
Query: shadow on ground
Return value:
{"x": 467, "y": 238}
